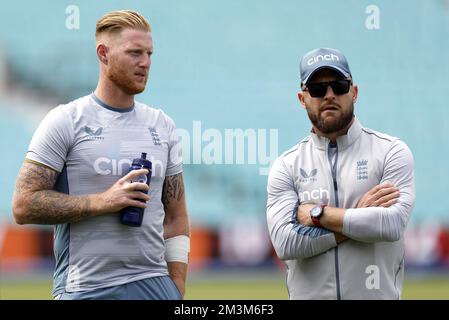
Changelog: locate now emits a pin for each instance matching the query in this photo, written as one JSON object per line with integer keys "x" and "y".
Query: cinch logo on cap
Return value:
{"x": 320, "y": 57}
{"x": 323, "y": 58}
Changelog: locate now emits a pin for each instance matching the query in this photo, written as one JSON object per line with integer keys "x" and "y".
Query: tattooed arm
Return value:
{"x": 176, "y": 220}
{"x": 34, "y": 201}
{"x": 176, "y": 223}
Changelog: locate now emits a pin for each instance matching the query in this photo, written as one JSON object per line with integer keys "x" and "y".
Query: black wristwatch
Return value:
{"x": 316, "y": 213}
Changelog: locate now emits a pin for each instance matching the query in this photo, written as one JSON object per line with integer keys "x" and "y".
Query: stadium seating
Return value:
{"x": 234, "y": 65}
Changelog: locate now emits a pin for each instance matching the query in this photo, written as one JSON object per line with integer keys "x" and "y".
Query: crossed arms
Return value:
{"x": 381, "y": 213}
{"x": 383, "y": 195}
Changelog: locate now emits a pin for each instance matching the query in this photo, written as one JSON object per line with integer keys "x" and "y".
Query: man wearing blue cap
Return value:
{"x": 339, "y": 201}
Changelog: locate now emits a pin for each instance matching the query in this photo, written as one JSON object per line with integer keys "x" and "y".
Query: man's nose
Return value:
{"x": 145, "y": 62}
{"x": 329, "y": 93}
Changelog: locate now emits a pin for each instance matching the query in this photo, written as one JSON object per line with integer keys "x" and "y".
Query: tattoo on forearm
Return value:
{"x": 51, "y": 207}
{"x": 173, "y": 189}
{"x": 45, "y": 206}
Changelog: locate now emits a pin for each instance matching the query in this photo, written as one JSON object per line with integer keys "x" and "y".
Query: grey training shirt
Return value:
{"x": 92, "y": 145}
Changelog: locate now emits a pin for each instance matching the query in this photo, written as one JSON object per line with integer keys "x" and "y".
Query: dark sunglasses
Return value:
{"x": 319, "y": 89}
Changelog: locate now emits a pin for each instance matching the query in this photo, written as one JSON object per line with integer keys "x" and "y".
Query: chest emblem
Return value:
{"x": 307, "y": 177}
{"x": 362, "y": 170}
{"x": 155, "y": 136}
{"x": 94, "y": 134}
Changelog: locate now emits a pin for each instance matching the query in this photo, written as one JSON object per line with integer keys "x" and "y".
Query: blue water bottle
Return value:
{"x": 133, "y": 216}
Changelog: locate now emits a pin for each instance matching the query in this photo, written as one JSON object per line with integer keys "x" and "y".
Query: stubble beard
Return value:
{"x": 119, "y": 76}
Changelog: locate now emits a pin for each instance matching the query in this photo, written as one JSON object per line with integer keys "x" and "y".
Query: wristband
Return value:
{"x": 177, "y": 249}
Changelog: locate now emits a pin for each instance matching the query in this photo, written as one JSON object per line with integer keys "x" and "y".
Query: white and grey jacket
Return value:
{"x": 370, "y": 265}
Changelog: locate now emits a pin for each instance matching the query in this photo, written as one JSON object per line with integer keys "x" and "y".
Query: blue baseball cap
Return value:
{"x": 321, "y": 58}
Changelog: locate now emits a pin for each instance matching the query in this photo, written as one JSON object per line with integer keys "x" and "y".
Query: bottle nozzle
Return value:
{"x": 144, "y": 155}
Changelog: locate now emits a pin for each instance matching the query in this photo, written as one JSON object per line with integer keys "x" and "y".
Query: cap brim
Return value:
{"x": 342, "y": 72}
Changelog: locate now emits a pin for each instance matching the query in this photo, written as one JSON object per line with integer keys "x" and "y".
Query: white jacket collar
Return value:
{"x": 343, "y": 141}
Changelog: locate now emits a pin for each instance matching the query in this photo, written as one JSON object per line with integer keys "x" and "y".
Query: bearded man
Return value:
{"x": 75, "y": 177}
{"x": 339, "y": 201}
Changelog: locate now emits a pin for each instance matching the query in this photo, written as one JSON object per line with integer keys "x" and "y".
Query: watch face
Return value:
{"x": 316, "y": 212}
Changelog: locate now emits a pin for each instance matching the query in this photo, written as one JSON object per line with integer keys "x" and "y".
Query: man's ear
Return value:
{"x": 301, "y": 99}
{"x": 102, "y": 51}
{"x": 356, "y": 93}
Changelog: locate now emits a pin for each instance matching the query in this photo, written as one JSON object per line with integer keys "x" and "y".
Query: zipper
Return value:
{"x": 334, "y": 180}
{"x": 401, "y": 264}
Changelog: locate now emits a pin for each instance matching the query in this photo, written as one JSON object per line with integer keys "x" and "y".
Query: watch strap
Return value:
{"x": 316, "y": 221}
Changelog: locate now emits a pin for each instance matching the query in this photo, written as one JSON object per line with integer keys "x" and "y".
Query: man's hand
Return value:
{"x": 35, "y": 201}
{"x": 382, "y": 195}
{"x": 304, "y": 214}
{"x": 123, "y": 193}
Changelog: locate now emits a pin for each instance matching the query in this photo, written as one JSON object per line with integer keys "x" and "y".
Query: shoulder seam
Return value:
{"x": 376, "y": 135}
{"x": 289, "y": 151}
{"x": 306, "y": 139}
{"x": 295, "y": 148}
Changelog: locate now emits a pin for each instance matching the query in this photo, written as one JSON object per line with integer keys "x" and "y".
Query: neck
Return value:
{"x": 112, "y": 95}
{"x": 332, "y": 136}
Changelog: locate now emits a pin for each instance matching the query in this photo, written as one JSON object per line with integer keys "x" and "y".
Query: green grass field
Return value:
{"x": 254, "y": 289}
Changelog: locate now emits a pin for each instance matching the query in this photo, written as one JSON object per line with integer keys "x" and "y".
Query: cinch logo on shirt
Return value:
{"x": 320, "y": 195}
{"x": 94, "y": 134}
{"x": 320, "y": 57}
{"x": 105, "y": 166}
{"x": 119, "y": 167}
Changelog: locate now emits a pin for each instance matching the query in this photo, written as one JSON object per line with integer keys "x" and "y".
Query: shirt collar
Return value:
{"x": 106, "y": 106}
{"x": 343, "y": 141}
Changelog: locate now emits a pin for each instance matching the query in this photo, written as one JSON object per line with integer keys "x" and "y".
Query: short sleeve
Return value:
{"x": 52, "y": 140}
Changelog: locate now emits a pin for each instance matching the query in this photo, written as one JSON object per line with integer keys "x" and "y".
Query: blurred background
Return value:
{"x": 220, "y": 69}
